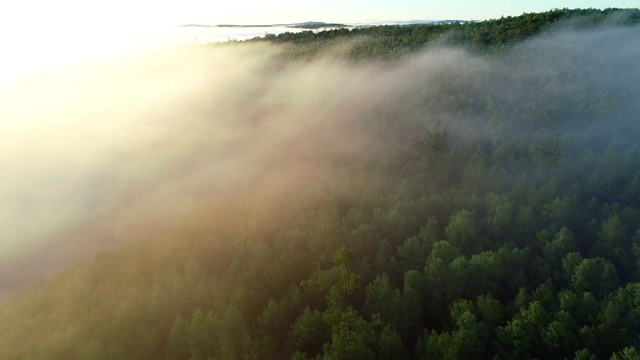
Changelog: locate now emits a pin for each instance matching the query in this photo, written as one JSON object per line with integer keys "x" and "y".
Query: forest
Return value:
{"x": 460, "y": 191}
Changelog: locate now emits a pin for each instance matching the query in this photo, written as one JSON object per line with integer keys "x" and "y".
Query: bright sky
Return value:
{"x": 62, "y": 13}
{"x": 39, "y": 34}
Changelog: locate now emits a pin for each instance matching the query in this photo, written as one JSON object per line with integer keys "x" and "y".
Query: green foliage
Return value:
{"x": 628, "y": 353}
{"x": 309, "y": 332}
{"x": 463, "y": 232}
{"x": 346, "y": 280}
{"x": 550, "y": 152}
{"x": 178, "y": 346}
{"x": 351, "y": 338}
{"x": 434, "y": 144}
{"x": 390, "y": 345}
{"x": 596, "y": 275}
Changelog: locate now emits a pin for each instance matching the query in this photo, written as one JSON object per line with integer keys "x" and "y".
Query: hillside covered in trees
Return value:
{"x": 390, "y": 42}
{"x": 453, "y": 191}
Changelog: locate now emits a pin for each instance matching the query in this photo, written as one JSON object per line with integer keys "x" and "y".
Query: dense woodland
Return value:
{"x": 391, "y": 42}
{"x": 500, "y": 218}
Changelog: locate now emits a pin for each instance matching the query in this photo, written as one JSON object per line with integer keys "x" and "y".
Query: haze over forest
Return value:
{"x": 424, "y": 191}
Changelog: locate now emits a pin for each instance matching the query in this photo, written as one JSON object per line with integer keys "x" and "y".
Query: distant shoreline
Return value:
{"x": 305, "y": 25}
{"x": 313, "y": 25}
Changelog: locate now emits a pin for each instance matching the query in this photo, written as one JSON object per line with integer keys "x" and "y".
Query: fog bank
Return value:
{"x": 97, "y": 155}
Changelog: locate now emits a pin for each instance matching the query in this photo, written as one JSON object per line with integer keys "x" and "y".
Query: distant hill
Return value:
{"x": 322, "y": 25}
{"x": 303, "y": 25}
{"x": 195, "y": 25}
{"x": 316, "y": 25}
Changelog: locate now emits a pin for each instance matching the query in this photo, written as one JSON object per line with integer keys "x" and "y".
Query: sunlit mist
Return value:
{"x": 453, "y": 190}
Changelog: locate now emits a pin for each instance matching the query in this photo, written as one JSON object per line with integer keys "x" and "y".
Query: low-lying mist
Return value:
{"x": 97, "y": 155}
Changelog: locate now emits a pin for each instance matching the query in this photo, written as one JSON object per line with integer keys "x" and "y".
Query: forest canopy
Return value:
{"x": 450, "y": 191}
